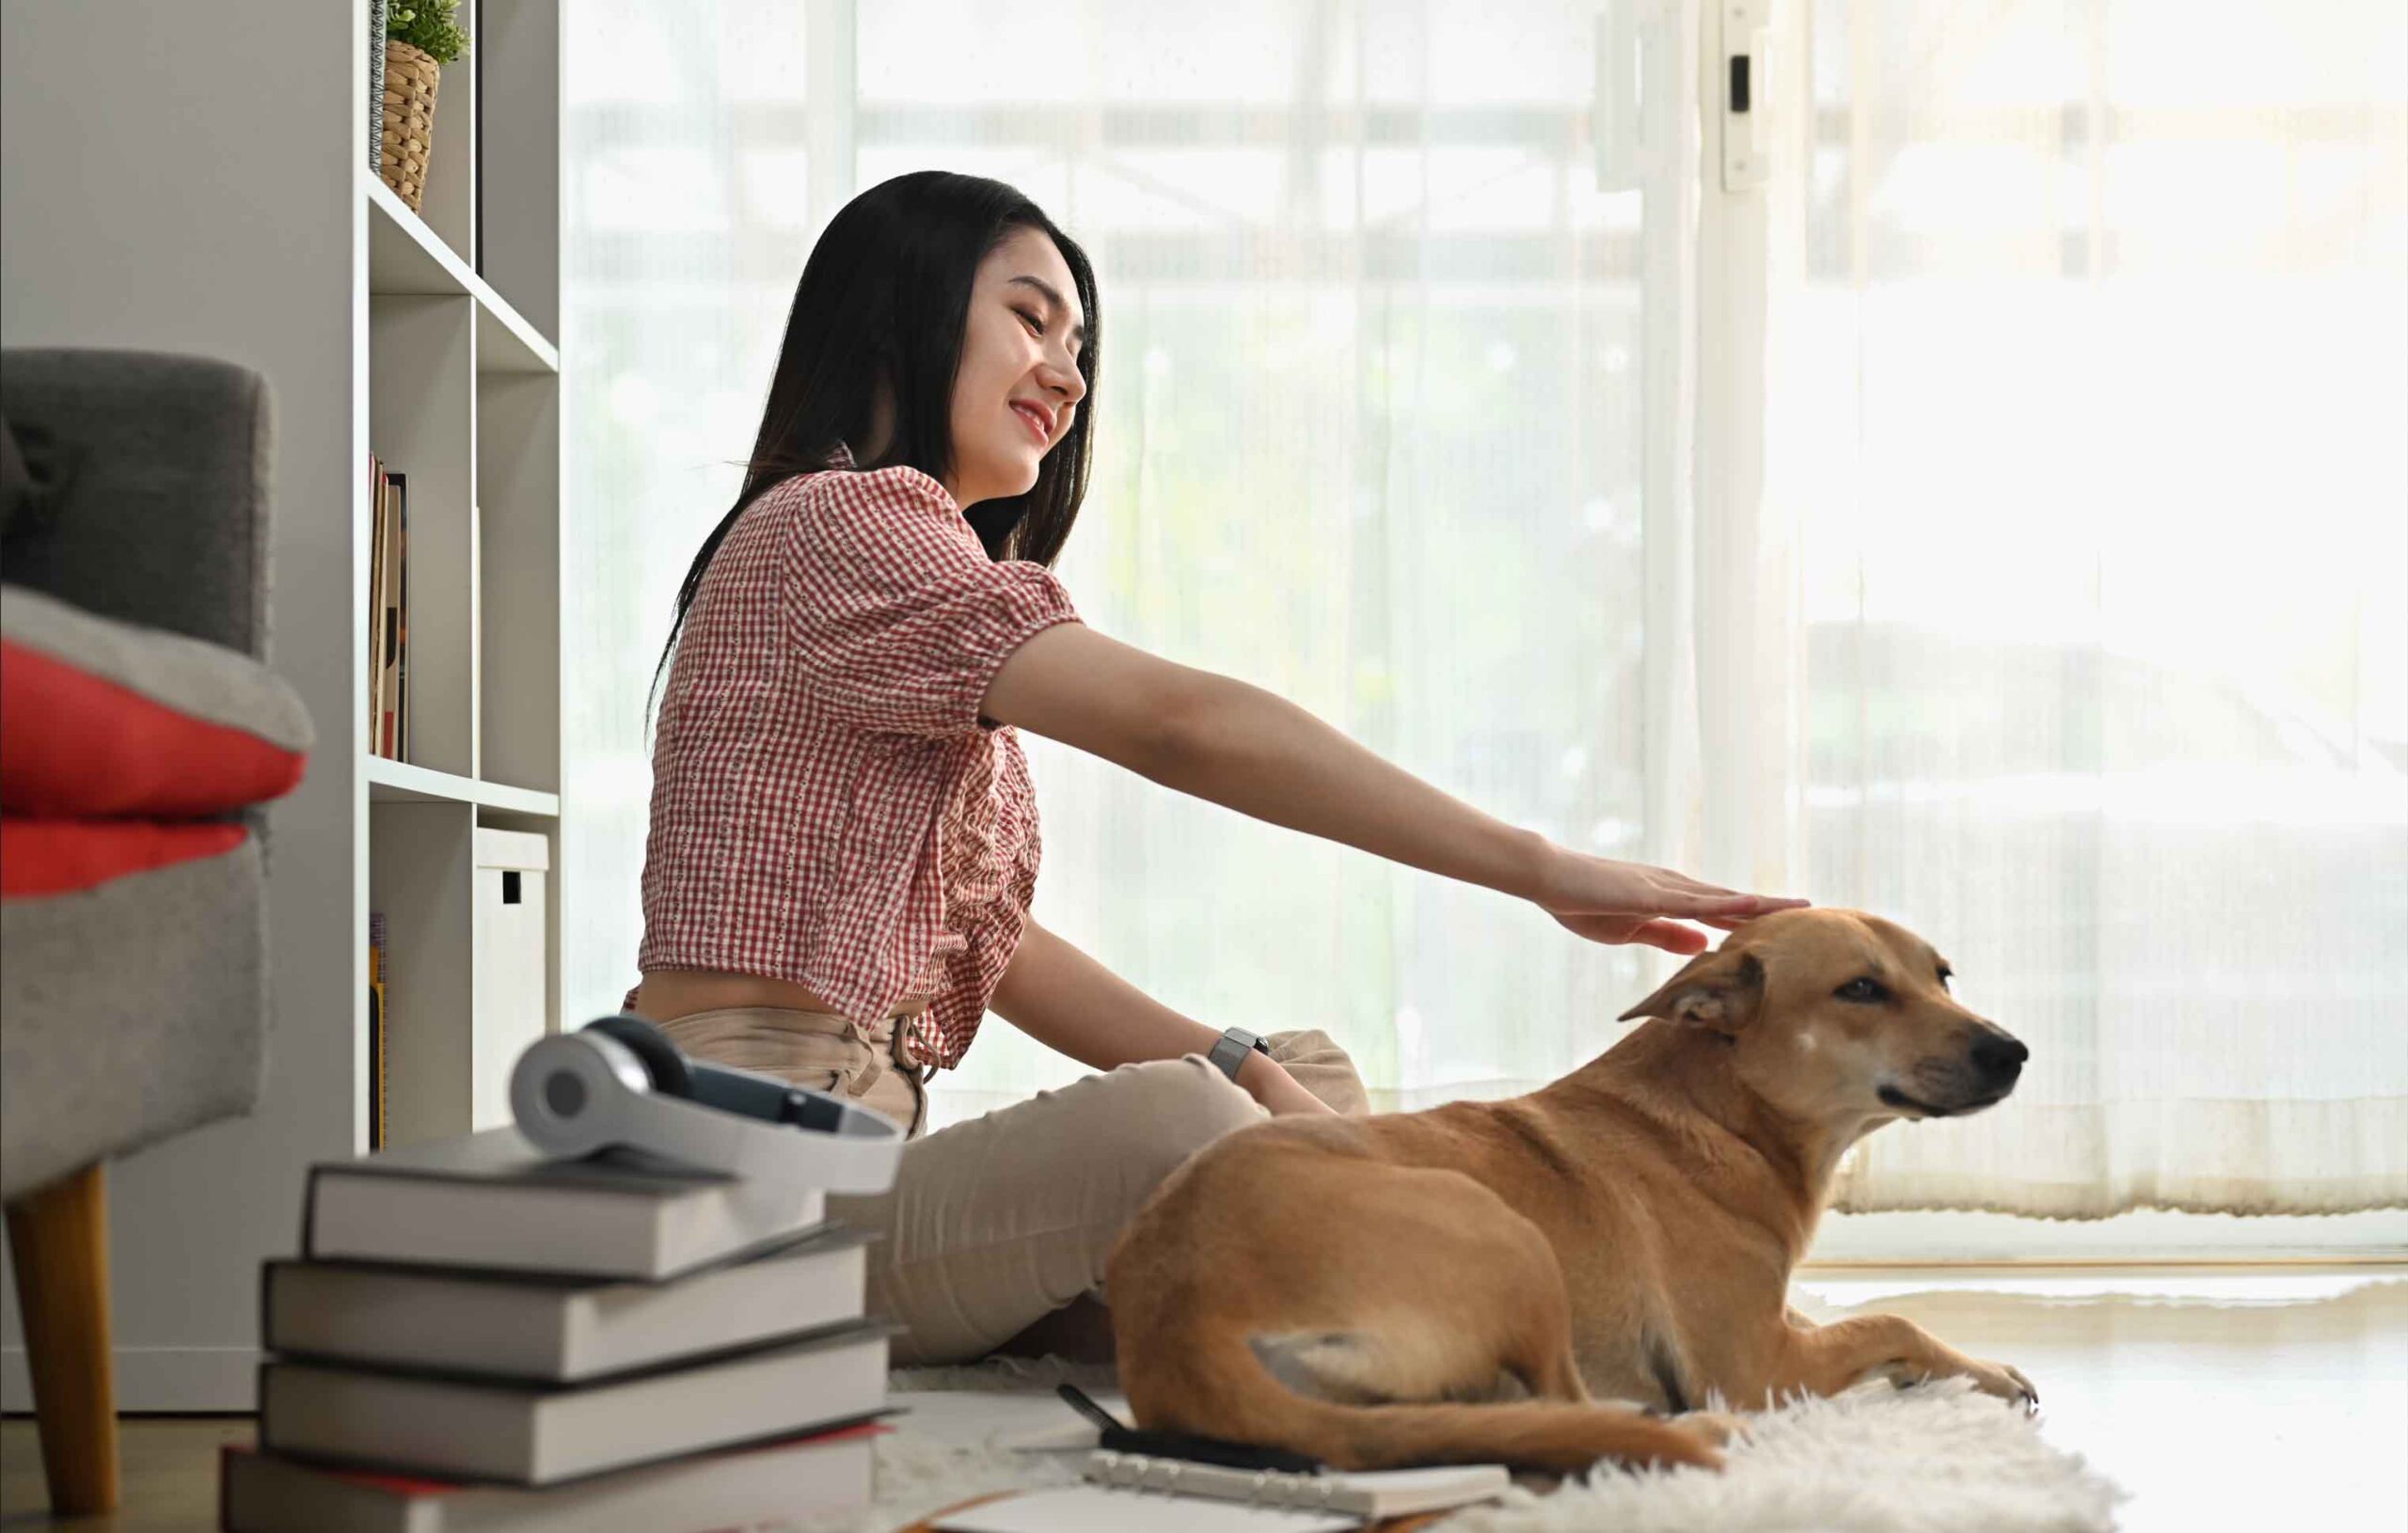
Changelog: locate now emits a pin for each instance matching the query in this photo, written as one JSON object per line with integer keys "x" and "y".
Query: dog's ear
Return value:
{"x": 1719, "y": 990}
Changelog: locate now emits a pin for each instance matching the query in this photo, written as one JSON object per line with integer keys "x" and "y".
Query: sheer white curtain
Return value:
{"x": 1390, "y": 410}
{"x": 2067, "y": 628}
{"x": 1386, "y": 406}
{"x": 1371, "y": 432}
{"x": 686, "y": 194}
{"x": 2089, "y": 340}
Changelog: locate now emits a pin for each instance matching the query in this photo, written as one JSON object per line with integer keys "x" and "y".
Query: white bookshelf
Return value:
{"x": 224, "y": 205}
{"x": 464, "y": 396}
{"x": 399, "y": 781}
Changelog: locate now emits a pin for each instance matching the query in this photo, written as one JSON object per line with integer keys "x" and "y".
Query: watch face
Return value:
{"x": 1234, "y": 1044}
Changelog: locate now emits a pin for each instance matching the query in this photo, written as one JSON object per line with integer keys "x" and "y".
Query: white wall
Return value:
{"x": 181, "y": 177}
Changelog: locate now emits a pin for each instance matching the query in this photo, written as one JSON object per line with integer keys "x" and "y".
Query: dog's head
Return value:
{"x": 1835, "y": 1013}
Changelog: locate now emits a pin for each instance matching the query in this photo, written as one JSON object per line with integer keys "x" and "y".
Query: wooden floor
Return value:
{"x": 169, "y": 1475}
{"x": 2221, "y": 1397}
{"x": 2271, "y": 1398}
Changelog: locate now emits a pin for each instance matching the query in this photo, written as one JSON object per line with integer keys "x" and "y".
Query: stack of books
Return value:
{"x": 477, "y": 1336}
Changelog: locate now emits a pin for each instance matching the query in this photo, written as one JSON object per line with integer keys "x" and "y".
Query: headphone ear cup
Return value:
{"x": 649, "y": 1043}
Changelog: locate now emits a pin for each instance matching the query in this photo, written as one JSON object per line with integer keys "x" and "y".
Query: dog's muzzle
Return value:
{"x": 1985, "y": 1075}
{"x": 1997, "y": 1059}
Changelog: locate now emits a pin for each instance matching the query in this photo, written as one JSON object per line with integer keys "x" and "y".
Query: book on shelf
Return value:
{"x": 376, "y": 1030}
{"x": 540, "y": 1434}
{"x": 492, "y": 1200}
{"x": 378, "y": 489}
{"x": 539, "y": 1328}
{"x": 388, "y": 607}
{"x": 756, "y": 1486}
{"x": 401, "y": 627}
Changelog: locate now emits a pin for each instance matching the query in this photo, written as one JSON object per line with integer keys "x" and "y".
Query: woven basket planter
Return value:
{"x": 410, "y": 79}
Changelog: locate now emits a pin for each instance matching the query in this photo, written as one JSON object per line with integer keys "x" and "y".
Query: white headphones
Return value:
{"x": 619, "y": 1082}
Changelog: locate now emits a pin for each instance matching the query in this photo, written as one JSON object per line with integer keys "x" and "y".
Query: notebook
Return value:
{"x": 1169, "y": 1495}
{"x": 1090, "y": 1510}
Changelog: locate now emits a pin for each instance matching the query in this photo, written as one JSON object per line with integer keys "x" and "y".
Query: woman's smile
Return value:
{"x": 1038, "y": 422}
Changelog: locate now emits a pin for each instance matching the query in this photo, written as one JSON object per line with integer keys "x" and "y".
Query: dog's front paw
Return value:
{"x": 1716, "y": 1428}
{"x": 2007, "y": 1384}
{"x": 1702, "y": 1435}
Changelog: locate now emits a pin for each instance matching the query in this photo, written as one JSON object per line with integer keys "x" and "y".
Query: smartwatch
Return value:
{"x": 1236, "y": 1043}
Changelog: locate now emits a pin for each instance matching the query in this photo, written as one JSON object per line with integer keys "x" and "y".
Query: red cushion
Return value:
{"x": 59, "y": 857}
{"x": 76, "y": 745}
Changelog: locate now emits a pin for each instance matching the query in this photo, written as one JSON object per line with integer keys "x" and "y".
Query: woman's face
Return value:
{"x": 1018, "y": 380}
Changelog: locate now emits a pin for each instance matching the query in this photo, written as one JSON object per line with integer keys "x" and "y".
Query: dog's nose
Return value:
{"x": 2000, "y": 1056}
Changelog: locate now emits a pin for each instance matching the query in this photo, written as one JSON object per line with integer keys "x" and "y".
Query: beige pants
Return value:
{"x": 996, "y": 1223}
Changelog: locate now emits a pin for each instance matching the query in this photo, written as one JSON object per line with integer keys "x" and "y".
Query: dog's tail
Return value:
{"x": 1223, "y": 1389}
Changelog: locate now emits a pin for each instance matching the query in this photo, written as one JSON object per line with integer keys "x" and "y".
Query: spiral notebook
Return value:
{"x": 1169, "y": 1495}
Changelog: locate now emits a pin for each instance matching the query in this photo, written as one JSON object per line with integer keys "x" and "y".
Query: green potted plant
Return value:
{"x": 420, "y": 36}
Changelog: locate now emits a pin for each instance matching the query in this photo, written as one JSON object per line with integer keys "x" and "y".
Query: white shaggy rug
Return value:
{"x": 1876, "y": 1460}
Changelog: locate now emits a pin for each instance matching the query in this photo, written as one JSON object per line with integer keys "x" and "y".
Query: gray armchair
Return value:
{"x": 142, "y": 736}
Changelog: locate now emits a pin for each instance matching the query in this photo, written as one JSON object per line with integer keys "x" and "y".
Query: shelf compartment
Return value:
{"x": 518, "y": 501}
{"x": 422, "y": 877}
{"x": 518, "y": 160}
{"x": 406, "y": 258}
{"x": 421, "y": 424}
{"x": 449, "y": 202}
{"x": 468, "y": 937}
{"x": 513, "y": 972}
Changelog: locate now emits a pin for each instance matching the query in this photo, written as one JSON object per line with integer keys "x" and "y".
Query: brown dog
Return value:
{"x": 1346, "y": 1286}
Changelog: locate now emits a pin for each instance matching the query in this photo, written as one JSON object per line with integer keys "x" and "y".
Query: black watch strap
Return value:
{"x": 1235, "y": 1044}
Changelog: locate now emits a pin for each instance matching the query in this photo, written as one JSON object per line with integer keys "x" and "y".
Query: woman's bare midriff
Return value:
{"x": 668, "y": 994}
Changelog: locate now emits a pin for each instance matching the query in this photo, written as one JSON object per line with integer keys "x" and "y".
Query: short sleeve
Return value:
{"x": 895, "y": 608}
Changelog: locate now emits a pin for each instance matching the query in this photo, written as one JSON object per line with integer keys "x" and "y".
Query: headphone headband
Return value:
{"x": 619, "y": 1082}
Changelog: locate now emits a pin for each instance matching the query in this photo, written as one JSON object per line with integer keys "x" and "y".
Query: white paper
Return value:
{"x": 1088, "y": 1509}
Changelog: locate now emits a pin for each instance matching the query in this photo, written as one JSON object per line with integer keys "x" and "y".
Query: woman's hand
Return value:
{"x": 1268, "y": 1082}
{"x": 1606, "y": 901}
{"x": 1075, "y": 1005}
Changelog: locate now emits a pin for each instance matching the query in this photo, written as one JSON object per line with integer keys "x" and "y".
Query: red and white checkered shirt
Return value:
{"x": 827, "y": 805}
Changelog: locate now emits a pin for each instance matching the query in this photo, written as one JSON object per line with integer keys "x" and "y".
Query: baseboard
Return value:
{"x": 2144, "y": 1237}
{"x": 216, "y": 1379}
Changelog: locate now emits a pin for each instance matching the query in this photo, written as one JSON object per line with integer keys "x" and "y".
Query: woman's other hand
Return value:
{"x": 1606, "y": 901}
{"x": 1281, "y": 1094}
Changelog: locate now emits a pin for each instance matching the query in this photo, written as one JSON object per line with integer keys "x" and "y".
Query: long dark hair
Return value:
{"x": 885, "y": 298}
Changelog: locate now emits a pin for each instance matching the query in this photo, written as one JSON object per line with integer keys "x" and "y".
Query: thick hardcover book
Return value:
{"x": 525, "y": 1434}
{"x": 492, "y": 1200}
{"x": 556, "y": 1330}
{"x": 763, "y": 1486}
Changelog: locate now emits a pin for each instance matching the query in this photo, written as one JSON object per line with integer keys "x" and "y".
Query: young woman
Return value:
{"x": 843, "y": 843}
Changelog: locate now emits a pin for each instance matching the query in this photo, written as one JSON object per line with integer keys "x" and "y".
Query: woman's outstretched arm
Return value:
{"x": 1253, "y": 752}
{"x": 1074, "y": 1005}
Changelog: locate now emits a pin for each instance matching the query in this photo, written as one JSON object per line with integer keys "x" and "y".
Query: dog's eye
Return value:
{"x": 1945, "y": 975}
{"x": 1861, "y": 989}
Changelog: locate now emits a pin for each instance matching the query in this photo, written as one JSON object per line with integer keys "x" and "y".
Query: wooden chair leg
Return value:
{"x": 59, "y": 1240}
